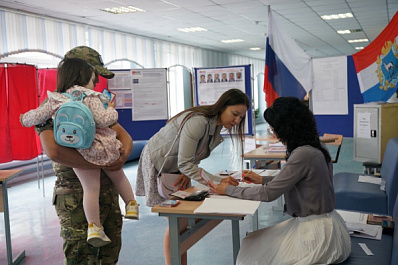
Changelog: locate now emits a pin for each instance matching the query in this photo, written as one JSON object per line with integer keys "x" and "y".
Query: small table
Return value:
{"x": 5, "y": 176}
{"x": 198, "y": 226}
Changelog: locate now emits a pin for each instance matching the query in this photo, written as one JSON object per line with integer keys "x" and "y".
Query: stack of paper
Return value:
{"x": 365, "y": 230}
{"x": 275, "y": 149}
{"x": 358, "y": 227}
{"x": 278, "y": 144}
{"x": 228, "y": 205}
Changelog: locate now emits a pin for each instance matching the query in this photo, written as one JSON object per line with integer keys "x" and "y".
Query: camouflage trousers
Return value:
{"x": 70, "y": 212}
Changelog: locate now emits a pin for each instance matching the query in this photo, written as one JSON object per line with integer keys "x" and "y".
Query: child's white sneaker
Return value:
{"x": 132, "y": 210}
{"x": 96, "y": 236}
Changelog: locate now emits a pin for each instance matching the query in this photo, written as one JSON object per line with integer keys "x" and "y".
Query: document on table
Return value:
{"x": 228, "y": 205}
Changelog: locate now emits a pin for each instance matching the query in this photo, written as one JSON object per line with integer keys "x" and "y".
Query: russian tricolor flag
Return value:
{"x": 288, "y": 69}
{"x": 377, "y": 65}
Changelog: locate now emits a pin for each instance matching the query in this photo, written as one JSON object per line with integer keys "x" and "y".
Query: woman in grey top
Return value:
{"x": 316, "y": 234}
{"x": 188, "y": 138}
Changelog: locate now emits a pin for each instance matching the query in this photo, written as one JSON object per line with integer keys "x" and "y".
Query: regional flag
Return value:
{"x": 377, "y": 65}
{"x": 288, "y": 69}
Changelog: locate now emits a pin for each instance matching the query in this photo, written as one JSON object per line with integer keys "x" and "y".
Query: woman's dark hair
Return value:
{"x": 294, "y": 124}
{"x": 71, "y": 72}
{"x": 229, "y": 98}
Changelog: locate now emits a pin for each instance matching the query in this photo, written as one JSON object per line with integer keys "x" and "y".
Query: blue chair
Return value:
{"x": 365, "y": 197}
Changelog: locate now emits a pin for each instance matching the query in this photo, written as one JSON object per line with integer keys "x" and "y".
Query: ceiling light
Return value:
{"x": 358, "y": 48}
{"x": 337, "y": 16}
{"x": 122, "y": 10}
{"x": 255, "y": 49}
{"x": 348, "y": 31}
{"x": 358, "y": 40}
{"x": 195, "y": 29}
{"x": 232, "y": 41}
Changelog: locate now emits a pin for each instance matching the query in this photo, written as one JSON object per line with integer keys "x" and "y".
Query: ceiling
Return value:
{"x": 229, "y": 19}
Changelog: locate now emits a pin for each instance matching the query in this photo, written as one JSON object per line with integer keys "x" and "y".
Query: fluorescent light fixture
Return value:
{"x": 232, "y": 41}
{"x": 348, "y": 31}
{"x": 359, "y": 48}
{"x": 337, "y": 16}
{"x": 255, "y": 49}
{"x": 358, "y": 40}
{"x": 123, "y": 10}
{"x": 194, "y": 29}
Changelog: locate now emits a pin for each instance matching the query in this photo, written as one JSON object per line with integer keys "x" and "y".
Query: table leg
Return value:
{"x": 255, "y": 221}
{"x": 279, "y": 207}
{"x": 174, "y": 233}
{"x": 21, "y": 255}
{"x": 235, "y": 239}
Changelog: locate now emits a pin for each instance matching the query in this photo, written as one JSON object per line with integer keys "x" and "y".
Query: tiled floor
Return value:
{"x": 35, "y": 226}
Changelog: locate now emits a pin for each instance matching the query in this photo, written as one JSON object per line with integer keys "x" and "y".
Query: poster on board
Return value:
{"x": 144, "y": 91}
{"x": 211, "y": 83}
{"x": 330, "y": 92}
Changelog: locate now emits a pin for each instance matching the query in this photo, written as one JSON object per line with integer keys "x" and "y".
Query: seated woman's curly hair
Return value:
{"x": 294, "y": 124}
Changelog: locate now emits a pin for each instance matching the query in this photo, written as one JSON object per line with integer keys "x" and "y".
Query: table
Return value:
{"x": 271, "y": 138}
{"x": 5, "y": 176}
{"x": 198, "y": 226}
{"x": 261, "y": 154}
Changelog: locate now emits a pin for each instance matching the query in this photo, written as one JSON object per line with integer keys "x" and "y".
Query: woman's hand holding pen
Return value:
{"x": 225, "y": 182}
{"x": 230, "y": 181}
{"x": 249, "y": 176}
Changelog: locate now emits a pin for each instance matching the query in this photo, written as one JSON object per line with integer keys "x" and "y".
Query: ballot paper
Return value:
{"x": 262, "y": 172}
{"x": 228, "y": 205}
{"x": 364, "y": 230}
{"x": 369, "y": 179}
{"x": 353, "y": 217}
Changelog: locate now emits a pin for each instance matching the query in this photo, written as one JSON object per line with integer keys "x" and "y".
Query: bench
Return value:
{"x": 385, "y": 250}
{"x": 137, "y": 149}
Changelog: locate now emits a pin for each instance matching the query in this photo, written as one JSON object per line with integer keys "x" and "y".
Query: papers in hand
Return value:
{"x": 204, "y": 176}
{"x": 228, "y": 205}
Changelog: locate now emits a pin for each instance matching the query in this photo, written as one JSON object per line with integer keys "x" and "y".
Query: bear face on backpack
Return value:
{"x": 74, "y": 124}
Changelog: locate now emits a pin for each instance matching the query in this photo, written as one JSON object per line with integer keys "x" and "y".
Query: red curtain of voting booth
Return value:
{"x": 5, "y": 143}
{"x": 19, "y": 85}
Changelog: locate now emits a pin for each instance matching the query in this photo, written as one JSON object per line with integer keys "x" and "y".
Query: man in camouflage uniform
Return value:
{"x": 68, "y": 192}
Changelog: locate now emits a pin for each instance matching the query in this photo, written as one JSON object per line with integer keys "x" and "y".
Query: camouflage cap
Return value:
{"x": 92, "y": 57}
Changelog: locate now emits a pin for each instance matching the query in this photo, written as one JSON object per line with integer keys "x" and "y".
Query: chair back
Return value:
{"x": 394, "y": 255}
{"x": 338, "y": 142}
{"x": 389, "y": 172}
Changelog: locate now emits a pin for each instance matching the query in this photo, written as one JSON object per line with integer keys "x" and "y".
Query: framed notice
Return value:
{"x": 211, "y": 83}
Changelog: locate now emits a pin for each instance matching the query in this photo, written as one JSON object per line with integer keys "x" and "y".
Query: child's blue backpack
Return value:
{"x": 74, "y": 125}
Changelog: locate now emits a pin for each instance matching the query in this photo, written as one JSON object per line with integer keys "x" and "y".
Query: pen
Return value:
{"x": 251, "y": 170}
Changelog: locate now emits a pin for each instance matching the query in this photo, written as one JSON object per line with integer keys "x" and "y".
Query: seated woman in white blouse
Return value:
{"x": 316, "y": 234}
